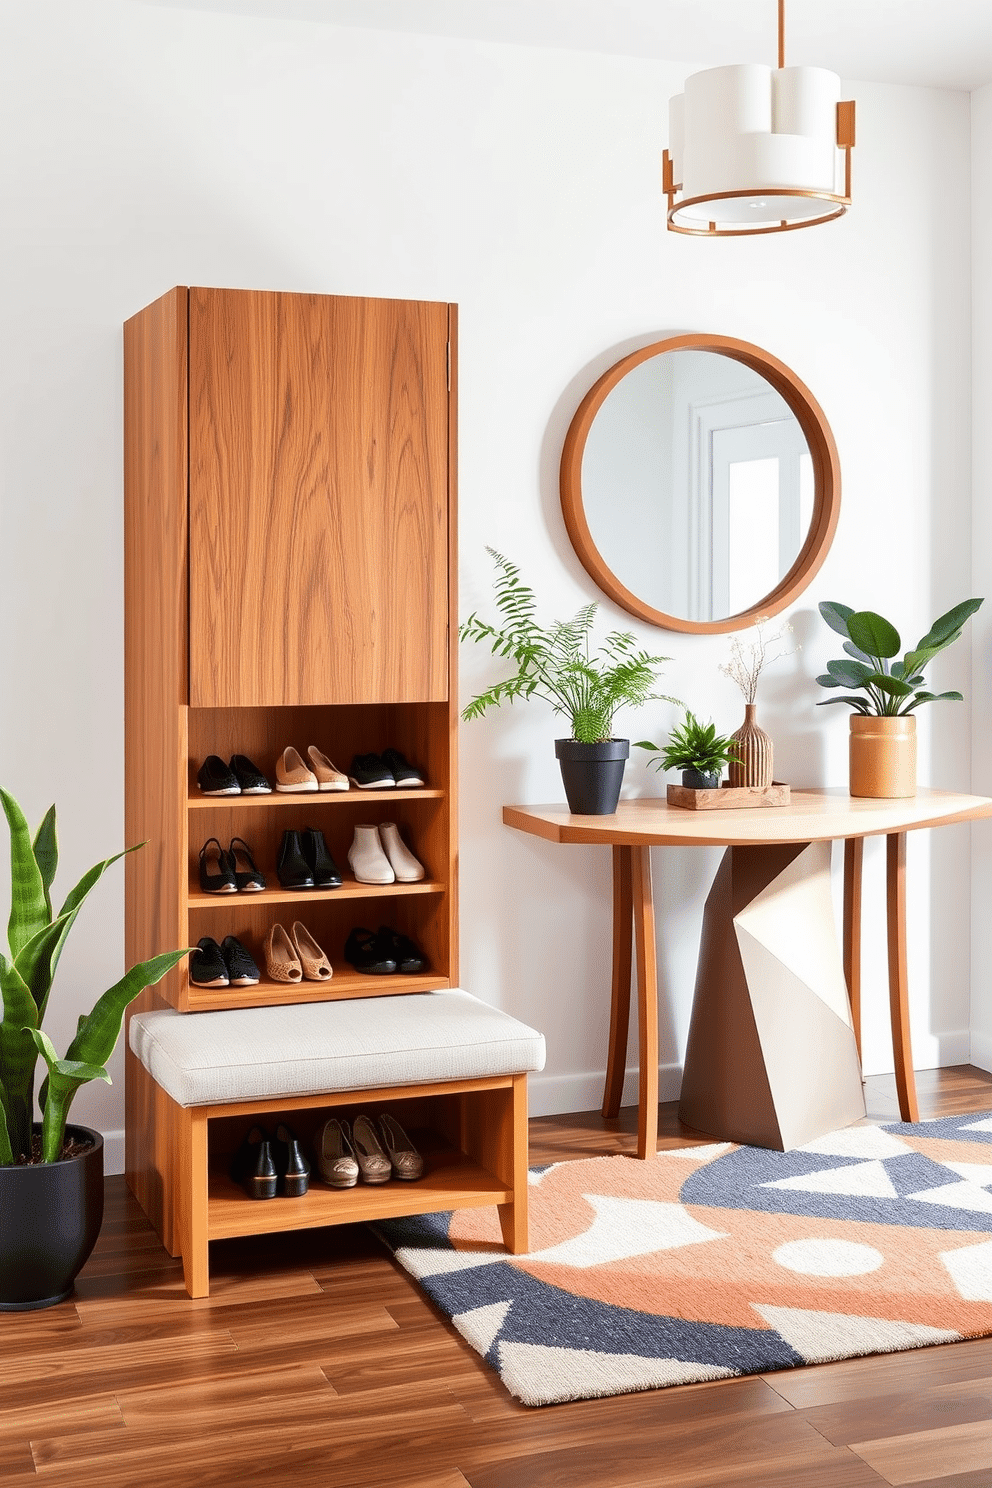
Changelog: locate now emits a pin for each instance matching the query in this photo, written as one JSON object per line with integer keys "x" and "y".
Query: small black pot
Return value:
{"x": 50, "y": 1217}
{"x": 698, "y": 780}
{"x": 592, "y": 774}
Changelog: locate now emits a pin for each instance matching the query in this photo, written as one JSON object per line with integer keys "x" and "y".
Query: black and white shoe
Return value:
{"x": 249, "y": 776}
{"x": 216, "y": 869}
{"x": 403, "y": 773}
{"x": 241, "y": 969}
{"x": 369, "y": 772}
{"x": 217, "y": 779}
{"x": 207, "y": 967}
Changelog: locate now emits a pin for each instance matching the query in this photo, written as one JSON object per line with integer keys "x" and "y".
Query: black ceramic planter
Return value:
{"x": 50, "y": 1217}
{"x": 592, "y": 774}
{"x": 700, "y": 780}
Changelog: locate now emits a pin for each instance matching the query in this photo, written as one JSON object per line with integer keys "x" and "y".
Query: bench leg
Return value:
{"x": 494, "y": 1133}
{"x": 191, "y": 1145}
{"x": 513, "y": 1217}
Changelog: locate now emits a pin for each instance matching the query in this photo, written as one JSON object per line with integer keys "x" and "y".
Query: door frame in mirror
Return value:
{"x": 826, "y": 477}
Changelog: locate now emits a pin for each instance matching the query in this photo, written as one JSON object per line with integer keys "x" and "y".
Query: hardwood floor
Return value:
{"x": 315, "y": 1361}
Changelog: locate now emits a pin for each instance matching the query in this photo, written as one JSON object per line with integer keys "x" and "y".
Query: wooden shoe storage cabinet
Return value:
{"x": 290, "y": 562}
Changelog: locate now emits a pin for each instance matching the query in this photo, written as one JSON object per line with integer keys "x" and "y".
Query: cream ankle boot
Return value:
{"x": 403, "y": 863}
{"x": 366, "y": 858}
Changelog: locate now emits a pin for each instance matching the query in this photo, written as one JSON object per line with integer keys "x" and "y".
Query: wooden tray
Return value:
{"x": 732, "y": 797}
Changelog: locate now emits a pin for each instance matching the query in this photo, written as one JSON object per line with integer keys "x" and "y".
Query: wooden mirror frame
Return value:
{"x": 826, "y": 478}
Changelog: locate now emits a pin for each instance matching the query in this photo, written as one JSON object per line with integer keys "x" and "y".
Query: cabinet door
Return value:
{"x": 318, "y": 490}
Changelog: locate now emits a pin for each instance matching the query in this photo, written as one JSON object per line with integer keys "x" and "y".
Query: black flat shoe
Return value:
{"x": 247, "y": 876}
{"x": 207, "y": 967}
{"x": 292, "y": 1168}
{"x": 369, "y": 773}
{"x": 363, "y": 950}
{"x": 215, "y": 779}
{"x": 254, "y": 1165}
{"x": 292, "y": 867}
{"x": 216, "y": 869}
{"x": 249, "y": 776}
{"x": 405, "y": 952}
{"x": 322, "y": 865}
{"x": 404, "y": 774}
{"x": 241, "y": 969}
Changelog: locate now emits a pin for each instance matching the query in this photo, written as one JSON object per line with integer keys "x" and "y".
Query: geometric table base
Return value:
{"x": 772, "y": 1059}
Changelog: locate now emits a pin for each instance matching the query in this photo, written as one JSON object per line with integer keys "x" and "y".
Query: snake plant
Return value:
{"x": 36, "y": 939}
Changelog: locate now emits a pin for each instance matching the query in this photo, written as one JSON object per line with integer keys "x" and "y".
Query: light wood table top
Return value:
{"x": 816, "y": 815}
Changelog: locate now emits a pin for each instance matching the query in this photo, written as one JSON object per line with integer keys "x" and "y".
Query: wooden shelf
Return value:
{"x": 345, "y": 983}
{"x": 301, "y": 799}
{"x": 451, "y": 1181}
{"x": 350, "y": 889}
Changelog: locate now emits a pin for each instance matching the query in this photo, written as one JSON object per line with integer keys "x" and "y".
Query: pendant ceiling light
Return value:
{"x": 756, "y": 149}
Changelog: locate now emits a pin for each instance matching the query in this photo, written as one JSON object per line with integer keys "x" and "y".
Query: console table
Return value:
{"x": 773, "y": 1055}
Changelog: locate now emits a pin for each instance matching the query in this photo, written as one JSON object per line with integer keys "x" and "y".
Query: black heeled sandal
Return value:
{"x": 216, "y": 869}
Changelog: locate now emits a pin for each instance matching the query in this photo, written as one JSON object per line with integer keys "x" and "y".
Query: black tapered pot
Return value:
{"x": 592, "y": 774}
{"x": 50, "y": 1217}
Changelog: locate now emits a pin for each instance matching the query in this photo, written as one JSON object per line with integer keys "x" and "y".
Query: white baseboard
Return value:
{"x": 113, "y": 1152}
{"x": 552, "y": 1095}
{"x": 981, "y": 1051}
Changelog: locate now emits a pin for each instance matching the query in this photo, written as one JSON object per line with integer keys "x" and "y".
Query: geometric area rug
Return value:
{"x": 720, "y": 1260}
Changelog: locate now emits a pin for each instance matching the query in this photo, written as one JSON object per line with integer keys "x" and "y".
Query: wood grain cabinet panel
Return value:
{"x": 318, "y": 431}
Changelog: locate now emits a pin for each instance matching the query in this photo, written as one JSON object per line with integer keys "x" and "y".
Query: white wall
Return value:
{"x": 148, "y": 147}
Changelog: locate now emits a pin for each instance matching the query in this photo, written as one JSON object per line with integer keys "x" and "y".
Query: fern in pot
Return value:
{"x": 557, "y": 663}
{"x": 51, "y": 1172}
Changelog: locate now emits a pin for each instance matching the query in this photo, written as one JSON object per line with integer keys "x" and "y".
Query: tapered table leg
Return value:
{"x": 854, "y": 852}
{"x": 623, "y": 917}
{"x": 895, "y": 844}
{"x": 647, "y": 1000}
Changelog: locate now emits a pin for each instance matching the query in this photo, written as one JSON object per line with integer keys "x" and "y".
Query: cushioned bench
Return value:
{"x": 444, "y": 1061}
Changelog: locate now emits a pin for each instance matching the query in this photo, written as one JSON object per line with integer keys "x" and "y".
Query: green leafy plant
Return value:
{"x": 693, "y": 746}
{"x": 36, "y": 939}
{"x": 891, "y": 688}
{"x": 554, "y": 662}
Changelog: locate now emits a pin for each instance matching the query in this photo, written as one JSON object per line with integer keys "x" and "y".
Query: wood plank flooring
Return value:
{"x": 315, "y": 1361}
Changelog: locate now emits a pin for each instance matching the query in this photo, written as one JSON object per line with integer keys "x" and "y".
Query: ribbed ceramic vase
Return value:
{"x": 755, "y": 751}
{"x": 883, "y": 756}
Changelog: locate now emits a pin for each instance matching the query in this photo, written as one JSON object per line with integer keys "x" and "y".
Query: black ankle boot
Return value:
{"x": 293, "y": 1168}
{"x": 292, "y": 867}
{"x": 321, "y": 864}
{"x": 254, "y": 1165}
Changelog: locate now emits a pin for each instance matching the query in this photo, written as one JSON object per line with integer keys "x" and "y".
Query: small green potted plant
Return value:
{"x": 697, "y": 750}
{"x": 556, "y": 663}
{"x": 884, "y": 692}
{"x": 51, "y": 1174}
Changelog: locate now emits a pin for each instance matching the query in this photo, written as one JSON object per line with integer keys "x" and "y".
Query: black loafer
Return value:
{"x": 249, "y": 776}
{"x": 403, "y": 773}
{"x": 247, "y": 876}
{"x": 207, "y": 967}
{"x": 215, "y": 778}
{"x": 216, "y": 869}
{"x": 241, "y": 969}
{"x": 363, "y": 950}
{"x": 406, "y": 953}
{"x": 292, "y": 1168}
{"x": 254, "y": 1165}
{"x": 369, "y": 773}
{"x": 292, "y": 867}
{"x": 322, "y": 866}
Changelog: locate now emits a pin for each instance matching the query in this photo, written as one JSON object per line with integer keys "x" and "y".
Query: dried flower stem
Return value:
{"x": 748, "y": 661}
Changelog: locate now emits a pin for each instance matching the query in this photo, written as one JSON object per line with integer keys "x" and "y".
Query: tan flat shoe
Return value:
{"x": 292, "y": 774}
{"x": 281, "y": 960}
{"x": 316, "y": 967}
{"x": 406, "y": 1160}
{"x": 373, "y": 1164}
{"x": 329, "y": 777}
{"x": 336, "y": 1161}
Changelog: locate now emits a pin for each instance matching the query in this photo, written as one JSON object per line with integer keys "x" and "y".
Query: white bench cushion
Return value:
{"x": 309, "y": 1048}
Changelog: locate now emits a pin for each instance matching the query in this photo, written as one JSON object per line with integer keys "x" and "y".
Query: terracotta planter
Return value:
{"x": 883, "y": 756}
{"x": 755, "y": 751}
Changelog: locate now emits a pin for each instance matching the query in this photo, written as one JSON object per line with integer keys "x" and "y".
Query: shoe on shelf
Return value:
{"x": 404, "y": 774}
{"x": 281, "y": 960}
{"x": 216, "y": 869}
{"x": 292, "y": 867}
{"x": 241, "y": 968}
{"x": 292, "y": 774}
{"x": 373, "y": 1164}
{"x": 336, "y": 1161}
{"x": 247, "y": 876}
{"x": 254, "y": 1165}
{"x": 323, "y": 868}
{"x": 214, "y": 778}
{"x": 207, "y": 967}
{"x": 364, "y": 952}
{"x": 316, "y": 967}
{"x": 366, "y": 858}
{"x": 329, "y": 777}
{"x": 401, "y": 859}
{"x": 406, "y": 1160}
{"x": 408, "y": 956}
{"x": 249, "y": 776}
{"x": 292, "y": 1168}
{"x": 369, "y": 773}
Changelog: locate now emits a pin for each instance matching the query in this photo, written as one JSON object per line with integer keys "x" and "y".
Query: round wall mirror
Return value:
{"x": 700, "y": 484}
